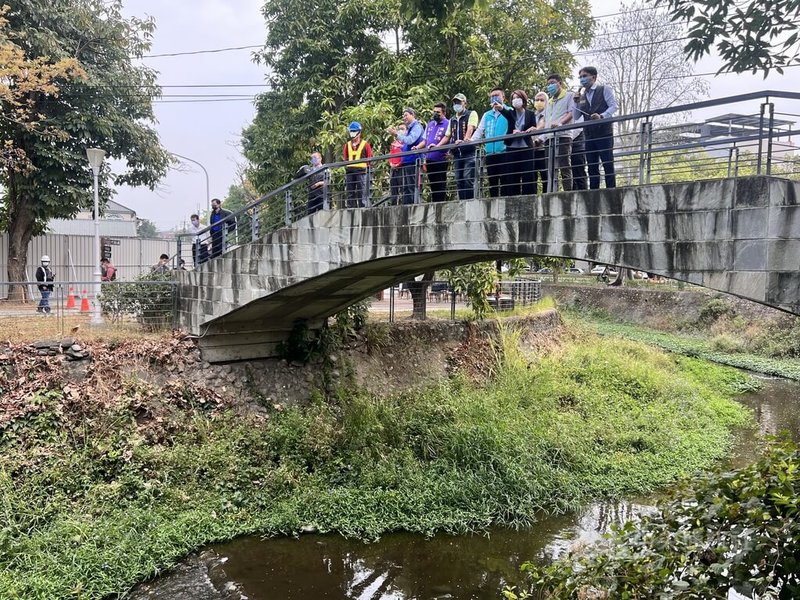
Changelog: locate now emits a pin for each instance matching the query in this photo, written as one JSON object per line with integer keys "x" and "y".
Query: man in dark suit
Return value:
{"x": 597, "y": 103}
{"x": 223, "y": 225}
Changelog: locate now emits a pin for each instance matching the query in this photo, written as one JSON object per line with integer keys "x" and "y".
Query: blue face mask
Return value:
{"x": 495, "y": 100}
{"x": 458, "y": 108}
{"x": 551, "y": 89}
{"x": 585, "y": 81}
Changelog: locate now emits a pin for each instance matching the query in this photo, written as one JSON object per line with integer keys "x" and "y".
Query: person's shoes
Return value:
{"x": 39, "y": 310}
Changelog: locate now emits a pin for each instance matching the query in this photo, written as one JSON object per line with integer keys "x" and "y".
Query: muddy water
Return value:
{"x": 405, "y": 566}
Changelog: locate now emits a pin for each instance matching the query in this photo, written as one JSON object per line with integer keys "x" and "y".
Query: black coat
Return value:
{"x": 530, "y": 121}
{"x": 44, "y": 275}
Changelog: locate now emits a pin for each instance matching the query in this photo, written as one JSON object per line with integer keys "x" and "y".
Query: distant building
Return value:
{"x": 116, "y": 221}
{"x": 721, "y": 134}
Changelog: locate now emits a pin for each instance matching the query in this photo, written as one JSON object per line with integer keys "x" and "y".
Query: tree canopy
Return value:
{"x": 109, "y": 106}
{"x": 365, "y": 60}
{"x": 753, "y": 35}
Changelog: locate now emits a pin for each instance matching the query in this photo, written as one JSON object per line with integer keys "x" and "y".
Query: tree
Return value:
{"x": 111, "y": 108}
{"x": 21, "y": 80}
{"x": 640, "y": 54}
{"x": 754, "y": 35}
{"x": 145, "y": 228}
{"x": 337, "y": 67}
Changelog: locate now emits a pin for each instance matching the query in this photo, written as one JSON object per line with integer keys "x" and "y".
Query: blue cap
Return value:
{"x": 355, "y": 126}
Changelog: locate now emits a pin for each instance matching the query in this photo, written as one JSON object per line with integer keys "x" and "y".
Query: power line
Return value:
{"x": 254, "y": 46}
{"x": 209, "y": 51}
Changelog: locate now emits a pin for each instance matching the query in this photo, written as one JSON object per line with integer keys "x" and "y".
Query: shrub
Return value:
{"x": 724, "y": 342}
{"x": 736, "y": 530}
{"x": 149, "y": 299}
{"x": 715, "y": 309}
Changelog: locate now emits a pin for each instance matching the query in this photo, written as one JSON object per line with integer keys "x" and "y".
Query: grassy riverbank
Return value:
{"x": 698, "y": 346}
{"x": 98, "y": 492}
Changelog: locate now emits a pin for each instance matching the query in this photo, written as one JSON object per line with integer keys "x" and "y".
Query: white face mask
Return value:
{"x": 516, "y": 103}
{"x": 195, "y": 222}
{"x": 353, "y": 134}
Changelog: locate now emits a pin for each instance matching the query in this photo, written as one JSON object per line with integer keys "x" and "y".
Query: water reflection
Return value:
{"x": 409, "y": 567}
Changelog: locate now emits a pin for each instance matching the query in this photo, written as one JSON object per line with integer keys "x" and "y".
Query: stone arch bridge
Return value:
{"x": 740, "y": 236}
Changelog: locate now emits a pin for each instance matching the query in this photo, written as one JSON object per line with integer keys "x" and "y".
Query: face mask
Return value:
{"x": 353, "y": 134}
{"x": 315, "y": 162}
{"x": 437, "y": 118}
{"x": 195, "y": 222}
{"x": 538, "y": 104}
{"x": 459, "y": 108}
{"x": 585, "y": 81}
{"x": 551, "y": 89}
{"x": 495, "y": 100}
{"x": 516, "y": 103}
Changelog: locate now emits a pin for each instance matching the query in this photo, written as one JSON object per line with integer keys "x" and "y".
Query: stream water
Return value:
{"x": 406, "y": 566}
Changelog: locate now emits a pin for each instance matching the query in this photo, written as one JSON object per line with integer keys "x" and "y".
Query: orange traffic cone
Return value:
{"x": 71, "y": 298}
{"x": 85, "y": 303}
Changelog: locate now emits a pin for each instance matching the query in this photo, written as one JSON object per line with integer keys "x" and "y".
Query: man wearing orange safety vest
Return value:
{"x": 356, "y": 173}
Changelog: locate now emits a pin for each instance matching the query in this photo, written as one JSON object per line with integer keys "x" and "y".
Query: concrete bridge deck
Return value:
{"x": 740, "y": 236}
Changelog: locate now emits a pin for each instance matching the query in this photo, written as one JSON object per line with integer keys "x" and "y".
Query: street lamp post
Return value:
{"x": 96, "y": 156}
{"x": 208, "y": 187}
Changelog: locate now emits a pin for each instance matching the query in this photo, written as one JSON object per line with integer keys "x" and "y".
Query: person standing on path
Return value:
{"x": 355, "y": 174}
{"x": 437, "y": 133}
{"x": 108, "y": 272}
{"x": 596, "y": 104}
{"x": 413, "y": 139}
{"x": 496, "y": 122}
{"x": 222, "y": 227}
{"x": 45, "y": 277}
{"x": 462, "y": 125}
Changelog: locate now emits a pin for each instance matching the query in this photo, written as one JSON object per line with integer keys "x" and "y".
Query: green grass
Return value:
{"x": 717, "y": 349}
{"x": 91, "y": 502}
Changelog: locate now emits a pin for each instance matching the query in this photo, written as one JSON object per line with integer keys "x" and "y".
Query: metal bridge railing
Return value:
{"x": 653, "y": 147}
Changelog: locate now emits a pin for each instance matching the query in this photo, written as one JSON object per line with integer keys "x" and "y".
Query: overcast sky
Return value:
{"x": 209, "y": 132}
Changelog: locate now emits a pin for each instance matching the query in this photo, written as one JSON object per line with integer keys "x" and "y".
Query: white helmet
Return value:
{"x": 45, "y": 258}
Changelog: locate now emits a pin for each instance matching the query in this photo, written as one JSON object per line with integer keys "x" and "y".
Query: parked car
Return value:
{"x": 601, "y": 269}
{"x": 545, "y": 270}
{"x": 575, "y": 271}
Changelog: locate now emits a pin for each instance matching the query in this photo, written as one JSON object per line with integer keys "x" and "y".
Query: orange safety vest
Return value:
{"x": 355, "y": 154}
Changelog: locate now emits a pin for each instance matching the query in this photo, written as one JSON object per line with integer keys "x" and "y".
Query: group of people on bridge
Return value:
{"x": 521, "y": 165}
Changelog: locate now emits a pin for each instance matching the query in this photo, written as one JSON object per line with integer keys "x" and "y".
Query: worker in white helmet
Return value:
{"x": 45, "y": 277}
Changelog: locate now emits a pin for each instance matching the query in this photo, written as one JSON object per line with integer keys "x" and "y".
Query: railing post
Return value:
{"x": 417, "y": 176}
{"x": 391, "y": 304}
{"x": 476, "y": 183}
{"x": 642, "y": 139}
{"x": 452, "y": 302}
{"x": 179, "y": 243}
{"x": 367, "y": 192}
{"x": 288, "y": 215}
{"x": 760, "y": 138}
{"x": 770, "y": 131}
{"x": 649, "y": 162}
{"x": 326, "y": 198}
{"x": 254, "y": 224}
{"x": 551, "y": 165}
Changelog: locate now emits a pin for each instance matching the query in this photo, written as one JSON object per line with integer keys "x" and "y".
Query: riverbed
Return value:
{"x": 405, "y": 566}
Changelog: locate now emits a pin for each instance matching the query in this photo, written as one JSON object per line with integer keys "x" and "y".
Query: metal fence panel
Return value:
{"x": 72, "y": 256}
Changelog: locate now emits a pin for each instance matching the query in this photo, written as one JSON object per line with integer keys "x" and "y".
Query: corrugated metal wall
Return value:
{"x": 72, "y": 256}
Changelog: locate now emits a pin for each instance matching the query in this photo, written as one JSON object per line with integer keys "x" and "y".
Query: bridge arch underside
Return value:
{"x": 740, "y": 236}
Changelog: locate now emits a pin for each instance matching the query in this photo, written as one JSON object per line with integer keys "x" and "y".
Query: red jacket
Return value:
{"x": 397, "y": 148}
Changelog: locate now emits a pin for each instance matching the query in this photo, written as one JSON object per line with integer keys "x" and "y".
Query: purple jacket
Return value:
{"x": 434, "y": 133}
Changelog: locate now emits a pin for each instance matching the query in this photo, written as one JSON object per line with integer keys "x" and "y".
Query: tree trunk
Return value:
{"x": 20, "y": 231}
{"x": 418, "y": 290}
